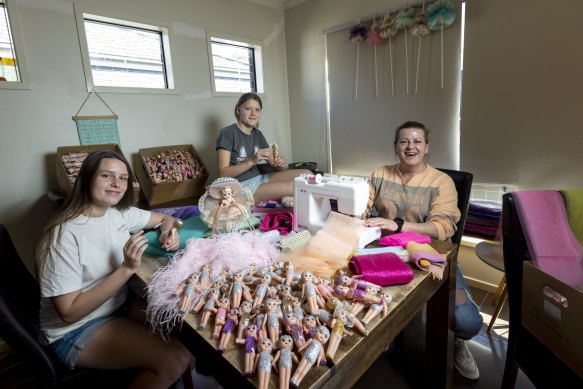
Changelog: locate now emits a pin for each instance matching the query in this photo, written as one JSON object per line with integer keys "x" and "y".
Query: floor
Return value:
{"x": 489, "y": 350}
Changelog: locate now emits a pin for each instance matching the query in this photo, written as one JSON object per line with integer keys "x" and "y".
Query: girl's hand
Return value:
{"x": 170, "y": 240}
{"x": 133, "y": 250}
{"x": 262, "y": 154}
{"x": 385, "y": 224}
{"x": 279, "y": 161}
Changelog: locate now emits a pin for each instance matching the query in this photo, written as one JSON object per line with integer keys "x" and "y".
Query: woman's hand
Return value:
{"x": 385, "y": 224}
{"x": 133, "y": 250}
{"x": 170, "y": 240}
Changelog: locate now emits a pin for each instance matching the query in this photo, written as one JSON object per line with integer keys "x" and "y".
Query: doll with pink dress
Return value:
{"x": 221, "y": 316}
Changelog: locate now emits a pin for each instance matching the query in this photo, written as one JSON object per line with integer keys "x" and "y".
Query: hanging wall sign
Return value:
{"x": 95, "y": 130}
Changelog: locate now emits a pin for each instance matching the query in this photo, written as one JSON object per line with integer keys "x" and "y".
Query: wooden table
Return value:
{"x": 356, "y": 353}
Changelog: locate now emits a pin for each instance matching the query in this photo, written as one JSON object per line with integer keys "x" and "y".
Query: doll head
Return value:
{"x": 224, "y": 288}
{"x": 270, "y": 305}
{"x": 216, "y": 285}
{"x": 372, "y": 289}
{"x": 296, "y": 302}
{"x": 205, "y": 268}
{"x": 310, "y": 321}
{"x": 284, "y": 290}
{"x": 341, "y": 290}
{"x": 224, "y": 303}
{"x": 323, "y": 334}
{"x": 264, "y": 344}
{"x": 252, "y": 268}
{"x": 266, "y": 279}
{"x": 307, "y": 276}
{"x": 387, "y": 296}
{"x": 272, "y": 291}
{"x": 259, "y": 308}
{"x": 233, "y": 313}
{"x": 238, "y": 276}
{"x": 286, "y": 342}
{"x": 245, "y": 307}
{"x": 251, "y": 330}
{"x": 290, "y": 318}
{"x": 193, "y": 278}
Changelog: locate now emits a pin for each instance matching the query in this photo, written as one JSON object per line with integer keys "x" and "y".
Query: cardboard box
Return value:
{"x": 169, "y": 191}
{"x": 65, "y": 185}
{"x": 553, "y": 312}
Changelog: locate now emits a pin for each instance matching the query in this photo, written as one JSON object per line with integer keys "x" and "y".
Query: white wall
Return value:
{"x": 33, "y": 123}
{"x": 435, "y": 107}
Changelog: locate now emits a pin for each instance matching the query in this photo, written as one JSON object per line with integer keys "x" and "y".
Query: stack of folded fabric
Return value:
{"x": 483, "y": 219}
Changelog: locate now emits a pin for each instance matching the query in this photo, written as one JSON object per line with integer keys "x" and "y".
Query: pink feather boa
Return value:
{"x": 232, "y": 251}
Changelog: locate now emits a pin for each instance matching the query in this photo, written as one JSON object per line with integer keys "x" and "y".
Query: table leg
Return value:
{"x": 499, "y": 290}
{"x": 439, "y": 332}
{"x": 501, "y": 302}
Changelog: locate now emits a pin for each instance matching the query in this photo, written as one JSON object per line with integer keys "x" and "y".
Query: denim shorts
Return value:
{"x": 253, "y": 183}
{"x": 69, "y": 347}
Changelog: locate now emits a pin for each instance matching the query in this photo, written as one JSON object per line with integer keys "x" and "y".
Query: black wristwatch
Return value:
{"x": 400, "y": 223}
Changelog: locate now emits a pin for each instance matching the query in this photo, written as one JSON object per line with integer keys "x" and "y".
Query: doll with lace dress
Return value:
{"x": 225, "y": 205}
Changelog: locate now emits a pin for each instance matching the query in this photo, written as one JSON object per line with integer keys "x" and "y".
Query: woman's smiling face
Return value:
{"x": 411, "y": 147}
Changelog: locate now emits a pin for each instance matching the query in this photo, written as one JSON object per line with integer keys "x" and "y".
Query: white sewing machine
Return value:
{"x": 314, "y": 201}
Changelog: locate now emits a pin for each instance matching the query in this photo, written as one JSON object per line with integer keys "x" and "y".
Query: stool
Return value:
{"x": 491, "y": 254}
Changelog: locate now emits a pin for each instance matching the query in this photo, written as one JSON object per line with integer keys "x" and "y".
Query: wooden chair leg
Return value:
{"x": 501, "y": 302}
{"x": 499, "y": 289}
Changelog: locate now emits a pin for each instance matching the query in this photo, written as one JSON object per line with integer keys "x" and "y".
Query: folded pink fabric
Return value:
{"x": 419, "y": 251}
{"x": 281, "y": 221}
{"x": 402, "y": 238}
{"x": 551, "y": 243}
{"x": 382, "y": 269}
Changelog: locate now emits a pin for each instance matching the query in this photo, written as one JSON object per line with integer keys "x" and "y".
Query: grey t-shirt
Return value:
{"x": 242, "y": 147}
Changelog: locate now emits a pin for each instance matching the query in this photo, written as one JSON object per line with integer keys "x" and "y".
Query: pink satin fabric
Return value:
{"x": 402, "y": 238}
{"x": 382, "y": 269}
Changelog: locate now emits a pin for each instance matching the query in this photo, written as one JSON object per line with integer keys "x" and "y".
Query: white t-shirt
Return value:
{"x": 90, "y": 249}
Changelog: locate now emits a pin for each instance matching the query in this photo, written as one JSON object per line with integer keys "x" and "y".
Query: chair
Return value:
{"x": 463, "y": 186}
{"x": 524, "y": 350}
{"x": 19, "y": 308}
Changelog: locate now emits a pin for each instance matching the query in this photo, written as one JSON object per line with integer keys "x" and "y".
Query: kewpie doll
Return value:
{"x": 250, "y": 343}
{"x": 238, "y": 289}
{"x": 205, "y": 276}
{"x": 358, "y": 306}
{"x": 313, "y": 354}
{"x": 220, "y": 316}
{"x": 271, "y": 323}
{"x": 310, "y": 326}
{"x": 295, "y": 329}
{"x": 263, "y": 362}
{"x": 259, "y": 313}
{"x": 355, "y": 294}
{"x": 290, "y": 275}
{"x": 297, "y": 308}
{"x": 250, "y": 273}
{"x": 286, "y": 296}
{"x": 261, "y": 290}
{"x": 187, "y": 291}
{"x": 324, "y": 286}
{"x": 228, "y": 328}
{"x": 309, "y": 292}
{"x": 337, "y": 333}
{"x": 375, "y": 309}
{"x": 286, "y": 357}
{"x": 245, "y": 317}
{"x": 352, "y": 321}
{"x": 212, "y": 299}
{"x": 215, "y": 288}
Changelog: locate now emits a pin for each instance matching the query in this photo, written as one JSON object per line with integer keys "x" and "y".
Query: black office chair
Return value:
{"x": 525, "y": 351}
{"x": 19, "y": 309}
{"x": 463, "y": 186}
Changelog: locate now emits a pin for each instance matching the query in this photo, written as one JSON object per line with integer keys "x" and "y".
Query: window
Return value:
{"x": 12, "y": 68}
{"x": 236, "y": 66}
{"x": 124, "y": 54}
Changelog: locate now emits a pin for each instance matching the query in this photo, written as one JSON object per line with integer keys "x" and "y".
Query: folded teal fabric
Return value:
{"x": 193, "y": 228}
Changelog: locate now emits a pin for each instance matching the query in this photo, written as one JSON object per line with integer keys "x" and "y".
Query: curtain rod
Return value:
{"x": 382, "y": 13}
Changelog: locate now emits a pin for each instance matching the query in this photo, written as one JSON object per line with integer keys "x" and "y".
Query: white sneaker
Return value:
{"x": 464, "y": 362}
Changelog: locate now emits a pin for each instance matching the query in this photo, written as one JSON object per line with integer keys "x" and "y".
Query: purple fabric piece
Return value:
{"x": 382, "y": 269}
{"x": 402, "y": 238}
{"x": 183, "y": 213}
{"x": 551, "y": 243}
